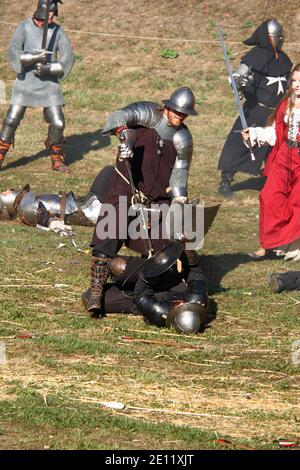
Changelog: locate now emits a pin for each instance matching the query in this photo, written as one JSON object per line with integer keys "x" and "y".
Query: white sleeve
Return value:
{"x": 262, "y": 135}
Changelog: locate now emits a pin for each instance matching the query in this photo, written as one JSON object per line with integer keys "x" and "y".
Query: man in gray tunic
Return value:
{"x": 38, "y": 79}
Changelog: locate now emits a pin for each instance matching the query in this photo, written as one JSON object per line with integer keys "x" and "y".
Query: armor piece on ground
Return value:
{"x": 40, "y": 12}
{"x": 7, "y": 200}
{"x": 75, "y": 212}
{"x": 100, "y": 272}
{"x": 186, "y": 318}
{"x": 149, "y": 114}
{"x": 182, "y": 100}
{"x": 162, "y": 260}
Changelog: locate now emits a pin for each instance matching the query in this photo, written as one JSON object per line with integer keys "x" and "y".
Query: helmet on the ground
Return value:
{"x": 182, "y": 100}
{"x": 40, "y": 13}
{"x": 187, "y": 317}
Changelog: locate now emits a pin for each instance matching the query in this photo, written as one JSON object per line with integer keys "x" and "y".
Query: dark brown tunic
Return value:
{"x": 152, "y": 165}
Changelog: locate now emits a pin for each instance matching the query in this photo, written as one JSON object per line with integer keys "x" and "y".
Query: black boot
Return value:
{"x": 92, "y": 297}
{"x": 224, "y": 188}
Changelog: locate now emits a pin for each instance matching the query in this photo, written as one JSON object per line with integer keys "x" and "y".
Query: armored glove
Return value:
{"x": 30, "y": 58}
{"x": 53, "y": 69}
{"x": 127, "y": 138}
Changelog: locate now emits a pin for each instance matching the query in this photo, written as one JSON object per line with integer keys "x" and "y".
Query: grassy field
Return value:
{"x": 236, "y": 380}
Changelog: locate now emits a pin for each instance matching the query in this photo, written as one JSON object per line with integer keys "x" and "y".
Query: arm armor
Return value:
{"x": 243, "y": 77}
{"x": 143, "y": 113}
{"x": 197, "y": 292}
{"x": 183, "y": 143}
{"x": 155, "y": 311}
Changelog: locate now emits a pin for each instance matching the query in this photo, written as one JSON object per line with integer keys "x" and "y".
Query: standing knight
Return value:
{"x": 262, "y": 78}
{"x": 37, "y": 84}
{"x": 158, "y": 147}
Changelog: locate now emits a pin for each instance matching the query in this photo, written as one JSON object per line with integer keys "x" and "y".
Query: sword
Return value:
{"x": 137, "y": 203}
{"x": 46, "y": 25}
{"x": 234, "y": 87}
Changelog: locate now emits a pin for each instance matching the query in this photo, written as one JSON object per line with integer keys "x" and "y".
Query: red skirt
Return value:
{"x": 280, "y": 200}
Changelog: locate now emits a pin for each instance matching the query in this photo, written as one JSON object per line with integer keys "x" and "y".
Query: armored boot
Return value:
{"x": 4, "y": 146}
{"x": 92, "y": 297}
{"x": 224, "y": 188}
{"x": 57, "y": 158}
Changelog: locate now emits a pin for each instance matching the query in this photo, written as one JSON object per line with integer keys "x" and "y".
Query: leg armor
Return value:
{"x": 54, "y": 116}
{"x": 10, "y": 124}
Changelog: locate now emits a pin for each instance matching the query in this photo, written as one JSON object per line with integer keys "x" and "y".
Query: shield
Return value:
{"x": 190, "y": 223}
{"x": 162, "y": 260}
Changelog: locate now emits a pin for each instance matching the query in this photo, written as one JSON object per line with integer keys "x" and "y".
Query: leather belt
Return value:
{"x": 265, "y": 106}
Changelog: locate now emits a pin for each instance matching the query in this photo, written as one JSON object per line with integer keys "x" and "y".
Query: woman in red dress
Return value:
{"x": 280, "y": 196}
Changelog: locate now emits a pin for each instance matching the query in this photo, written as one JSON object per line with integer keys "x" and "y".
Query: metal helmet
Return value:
{"x": 40, "y": 13}
{"x": 187, "y": 317}
{"x": 275, "y": 32}
{"x": 182, "y": 100}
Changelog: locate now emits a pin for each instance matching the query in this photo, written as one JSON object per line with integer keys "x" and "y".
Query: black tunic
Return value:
{"x": 262, "y": 96}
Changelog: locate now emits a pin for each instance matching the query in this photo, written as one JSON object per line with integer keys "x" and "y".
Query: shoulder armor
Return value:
{"x": 143, "y": 113}
{"x": 183, "y": 142}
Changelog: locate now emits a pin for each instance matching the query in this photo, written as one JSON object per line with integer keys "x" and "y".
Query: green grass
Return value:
{"x": 235, "y": 380}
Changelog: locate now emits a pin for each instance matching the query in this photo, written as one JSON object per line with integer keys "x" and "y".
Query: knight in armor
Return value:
{"x": 37, "y": 84}
{"x": 169, "y": 289}
{"x": 57, "y": 212}
{"x": 154, "y": 157}
{"x": 261, "y": 78}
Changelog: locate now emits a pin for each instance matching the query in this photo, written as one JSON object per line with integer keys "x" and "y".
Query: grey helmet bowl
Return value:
{"x": 187, "y": 317}
{"x": 182, "y": 100}
{"x": 40, "y": 12}
{"x": 275, "y": 32}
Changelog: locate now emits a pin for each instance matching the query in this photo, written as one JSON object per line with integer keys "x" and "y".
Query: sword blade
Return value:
{"x": 234, "y": 87}
{"x": 46, "y": 25}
